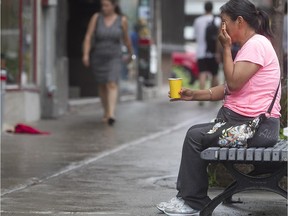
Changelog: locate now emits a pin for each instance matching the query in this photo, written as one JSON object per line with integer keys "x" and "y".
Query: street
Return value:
{"x": 85, "y": 167}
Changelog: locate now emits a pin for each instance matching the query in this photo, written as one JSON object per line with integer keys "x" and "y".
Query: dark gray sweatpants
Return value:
{"x": 192, "y": 182}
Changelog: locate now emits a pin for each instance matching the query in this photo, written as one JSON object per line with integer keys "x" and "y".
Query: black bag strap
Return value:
{"x": 274, "y": 98}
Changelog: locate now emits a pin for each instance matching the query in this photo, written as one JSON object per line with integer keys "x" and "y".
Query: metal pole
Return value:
{"x": 158, "y": 24}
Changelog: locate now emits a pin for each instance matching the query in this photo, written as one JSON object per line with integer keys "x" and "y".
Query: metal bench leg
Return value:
{"x": 245, "y": 182}
{"x": 209, "y": 208}
{"x": 226, "y": 194}
{"x": 230, "y": 200}
{"x": 258, "y": 170}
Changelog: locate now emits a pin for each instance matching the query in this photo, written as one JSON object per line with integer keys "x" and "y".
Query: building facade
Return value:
{"x": 41, "y": 45}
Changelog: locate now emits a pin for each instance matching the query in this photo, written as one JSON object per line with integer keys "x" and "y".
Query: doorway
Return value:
{"x": 81, "y": 80}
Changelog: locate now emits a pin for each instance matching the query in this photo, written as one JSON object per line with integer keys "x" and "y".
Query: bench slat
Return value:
{"x": 250, "y": 154}
{"x": 259, "y": 154}
{"x": 267, "y": 154}
{"x": 279, "y": 152}
{"x": 278, "y": 149}
{"x": 223, "y": 155}
{"x": 232, "y": 154}
{"x": 276, "y": 154}
{"x": 284, "y": 154}
{"x": 212, "y": 154}
{"x": 241, "y": 154}
{"x": 280, "y": 145}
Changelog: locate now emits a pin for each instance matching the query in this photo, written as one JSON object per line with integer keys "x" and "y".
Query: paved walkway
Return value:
{"x": 88, "y": 168}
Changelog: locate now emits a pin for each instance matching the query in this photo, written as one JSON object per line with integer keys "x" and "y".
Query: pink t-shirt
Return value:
{"x": 256, "y": 95}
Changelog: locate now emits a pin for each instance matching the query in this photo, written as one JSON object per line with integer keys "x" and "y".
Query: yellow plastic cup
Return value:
{"x": 175, "y": 87}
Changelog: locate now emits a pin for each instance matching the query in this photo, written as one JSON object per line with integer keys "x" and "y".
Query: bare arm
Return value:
{"x": 213, "y": 94}
{"x": 236, "y": 75}
{"x": 126, "y": 38}
{"x": 87, "y": 40}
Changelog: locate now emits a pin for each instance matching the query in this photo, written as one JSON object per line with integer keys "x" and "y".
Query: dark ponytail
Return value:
{"x": 246, "y": 9}
{"x": 264, "y": 27}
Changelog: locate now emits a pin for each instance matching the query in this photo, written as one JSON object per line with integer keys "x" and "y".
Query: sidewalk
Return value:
{"x": 88, "y": 168}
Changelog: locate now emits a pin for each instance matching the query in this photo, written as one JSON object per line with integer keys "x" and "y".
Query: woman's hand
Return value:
{"x": 185, "y": 95}
{"x": 224, "y": 37}
{"x": 127, "y": 59}
{"x": 86, "y": 60}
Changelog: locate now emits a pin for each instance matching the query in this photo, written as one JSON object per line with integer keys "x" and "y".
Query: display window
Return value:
{"x": 18, "y": 42}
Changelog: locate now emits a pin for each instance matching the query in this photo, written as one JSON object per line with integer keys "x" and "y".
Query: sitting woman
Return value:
{"x": 251, "y": 82}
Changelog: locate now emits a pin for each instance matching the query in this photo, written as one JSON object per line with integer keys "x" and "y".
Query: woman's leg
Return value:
{"x": 102, "y": 90}
{"x": 192, "y": 183}
{"x": 112, "y": 96}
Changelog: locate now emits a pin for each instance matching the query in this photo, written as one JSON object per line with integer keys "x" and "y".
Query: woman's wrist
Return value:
{"x": 227, "y": 49}
{"x": 210, "y": 93}
{"x": 203, "y": 95}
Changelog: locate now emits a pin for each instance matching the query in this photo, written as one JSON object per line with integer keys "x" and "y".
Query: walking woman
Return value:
{"x": 102, "y": 52}
{"x": 251, "y": 82}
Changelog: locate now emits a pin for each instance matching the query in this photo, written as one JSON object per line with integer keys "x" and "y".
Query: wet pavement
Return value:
{"x": 85, "y": 167}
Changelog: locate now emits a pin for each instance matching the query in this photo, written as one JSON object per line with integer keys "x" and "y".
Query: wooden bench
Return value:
{"x": 270, "y": 166}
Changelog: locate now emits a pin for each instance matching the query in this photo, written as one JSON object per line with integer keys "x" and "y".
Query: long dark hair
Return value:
{"x": 117, "y": 7}
{"x": 249, "y": 12}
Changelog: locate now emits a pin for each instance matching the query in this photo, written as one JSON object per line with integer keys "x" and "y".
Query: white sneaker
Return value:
{"x": 180, "y": 209}
{"x": 174, "y": 201}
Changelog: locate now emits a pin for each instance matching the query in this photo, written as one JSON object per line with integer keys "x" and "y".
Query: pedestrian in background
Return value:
{"x": 208, "y": 62}
{"x": 102, "y": 52}
{"x": 134, "y": 35}
{"x": 251, "y": 79}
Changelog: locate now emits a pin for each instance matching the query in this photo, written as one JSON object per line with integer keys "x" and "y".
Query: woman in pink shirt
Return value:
{"x": 251, "y": 81}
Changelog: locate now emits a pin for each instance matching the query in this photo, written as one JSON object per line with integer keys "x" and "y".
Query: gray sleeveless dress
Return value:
{"x": 106, "y": 58}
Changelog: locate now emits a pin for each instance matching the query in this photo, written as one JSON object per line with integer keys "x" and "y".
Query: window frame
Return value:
{"x": 18, "y": 86}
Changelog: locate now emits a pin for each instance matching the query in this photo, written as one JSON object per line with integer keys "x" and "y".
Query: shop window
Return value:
{"x": 18, "y": 41}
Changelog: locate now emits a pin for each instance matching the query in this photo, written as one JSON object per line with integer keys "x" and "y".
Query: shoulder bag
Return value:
{"x": 227, "y": 134}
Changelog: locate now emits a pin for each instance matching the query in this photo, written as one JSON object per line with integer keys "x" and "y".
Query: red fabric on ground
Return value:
{"x": 22, "y": 128}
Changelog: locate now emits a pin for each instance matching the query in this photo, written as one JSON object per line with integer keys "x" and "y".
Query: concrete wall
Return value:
{"x": 21, "y": 106}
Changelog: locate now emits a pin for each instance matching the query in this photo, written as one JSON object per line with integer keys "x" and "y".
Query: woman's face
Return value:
{"x": 231, "y": 26}
{"x": 107, "y": 7}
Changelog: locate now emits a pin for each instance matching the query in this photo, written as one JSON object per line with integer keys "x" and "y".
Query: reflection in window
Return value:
{"x": 27, "y": 45}
{"x": 10, "y": 38}
{"x": 17, "y": 41}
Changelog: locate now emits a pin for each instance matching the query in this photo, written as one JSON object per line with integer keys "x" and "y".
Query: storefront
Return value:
{"x": 19, "y": 53}
{"x": 18, "y": 48}
{"x": 41, "y": 48}
{"x": 41, "y": 45}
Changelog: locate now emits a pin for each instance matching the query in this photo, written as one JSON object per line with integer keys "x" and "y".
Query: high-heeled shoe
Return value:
{"x": 111, "y": 121}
